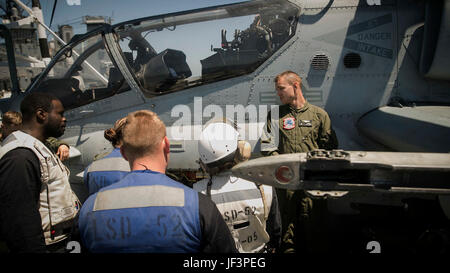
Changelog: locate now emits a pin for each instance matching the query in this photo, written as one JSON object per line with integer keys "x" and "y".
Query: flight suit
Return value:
{"x": 53, "y": 144}
{"x": 300, "y": 130}
{"x": 297, "y": 131}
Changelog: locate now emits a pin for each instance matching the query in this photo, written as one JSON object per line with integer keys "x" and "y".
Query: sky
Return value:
{"x": 72, "y": 11}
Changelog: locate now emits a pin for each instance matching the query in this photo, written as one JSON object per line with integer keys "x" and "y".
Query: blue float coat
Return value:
{"x": 144, "y": 212}
{"x": 105, "y": 171}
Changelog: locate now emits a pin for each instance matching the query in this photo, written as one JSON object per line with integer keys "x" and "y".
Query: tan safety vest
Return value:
{"x": 244, "y": 206}
{"x": 58, "y": 205}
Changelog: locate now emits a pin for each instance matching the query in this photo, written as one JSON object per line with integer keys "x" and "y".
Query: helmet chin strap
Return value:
{"x": 213, "y": 171}
{"x": 208, "y": 187}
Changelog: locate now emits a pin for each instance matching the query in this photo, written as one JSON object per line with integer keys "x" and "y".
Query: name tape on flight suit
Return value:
{"x": 305, "y": 123}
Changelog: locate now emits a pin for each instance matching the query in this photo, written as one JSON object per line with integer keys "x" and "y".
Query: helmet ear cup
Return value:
{"x": 243, "y": 151}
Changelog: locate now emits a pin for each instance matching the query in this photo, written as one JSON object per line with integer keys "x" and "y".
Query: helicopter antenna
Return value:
{"x": 53, "y": 12}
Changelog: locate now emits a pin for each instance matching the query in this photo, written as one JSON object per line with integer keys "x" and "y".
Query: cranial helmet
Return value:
{"x": 219, "y": 144}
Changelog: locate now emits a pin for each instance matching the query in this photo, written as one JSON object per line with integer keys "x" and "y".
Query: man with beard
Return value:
{"x": 37, "y": 205}
{"x": 12, "y": 120}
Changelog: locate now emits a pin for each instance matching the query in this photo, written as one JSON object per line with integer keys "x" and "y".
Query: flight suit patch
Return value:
{"x": 289, "y": 123}
{"x": 305, "y": 123}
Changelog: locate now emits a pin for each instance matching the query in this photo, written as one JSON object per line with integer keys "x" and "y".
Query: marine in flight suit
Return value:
{"x": 296, "y": 130}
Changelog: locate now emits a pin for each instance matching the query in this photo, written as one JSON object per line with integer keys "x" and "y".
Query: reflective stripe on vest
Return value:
{"x": 139, "y": 197}
{"x": 110, "y": 164}
{"x": 144, "y": 212}
{"x": 235, "y": 196}
{"x": 241, "y": 205}
{"x": 58, "y": 205}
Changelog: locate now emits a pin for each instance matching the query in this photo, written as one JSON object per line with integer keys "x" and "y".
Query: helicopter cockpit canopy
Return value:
{"x": 169, "y": 53}
{"x": 181, "y": 50}
{"x": 82, "y": 72}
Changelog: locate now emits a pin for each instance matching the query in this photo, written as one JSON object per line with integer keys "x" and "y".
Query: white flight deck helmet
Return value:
{"x": 219, "y": 144}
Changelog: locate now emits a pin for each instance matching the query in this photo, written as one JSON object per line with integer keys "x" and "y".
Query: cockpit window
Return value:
{"x": 83, "y": 73}
{"x": 179, "y": 51}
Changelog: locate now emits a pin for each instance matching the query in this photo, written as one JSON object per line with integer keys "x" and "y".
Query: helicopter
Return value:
{"x": 380, "y": 68}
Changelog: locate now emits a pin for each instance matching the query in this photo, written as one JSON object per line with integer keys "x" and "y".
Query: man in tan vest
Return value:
{"x": 37, "y": 205}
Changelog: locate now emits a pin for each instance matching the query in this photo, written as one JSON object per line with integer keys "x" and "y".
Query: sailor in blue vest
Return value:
{"x": 147, "y": 211}
{"x": 112, "y": 167}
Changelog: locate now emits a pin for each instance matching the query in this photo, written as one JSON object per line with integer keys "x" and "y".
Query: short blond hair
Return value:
{"x": 142, "y": 133}
{"x": 290, "y": 76}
